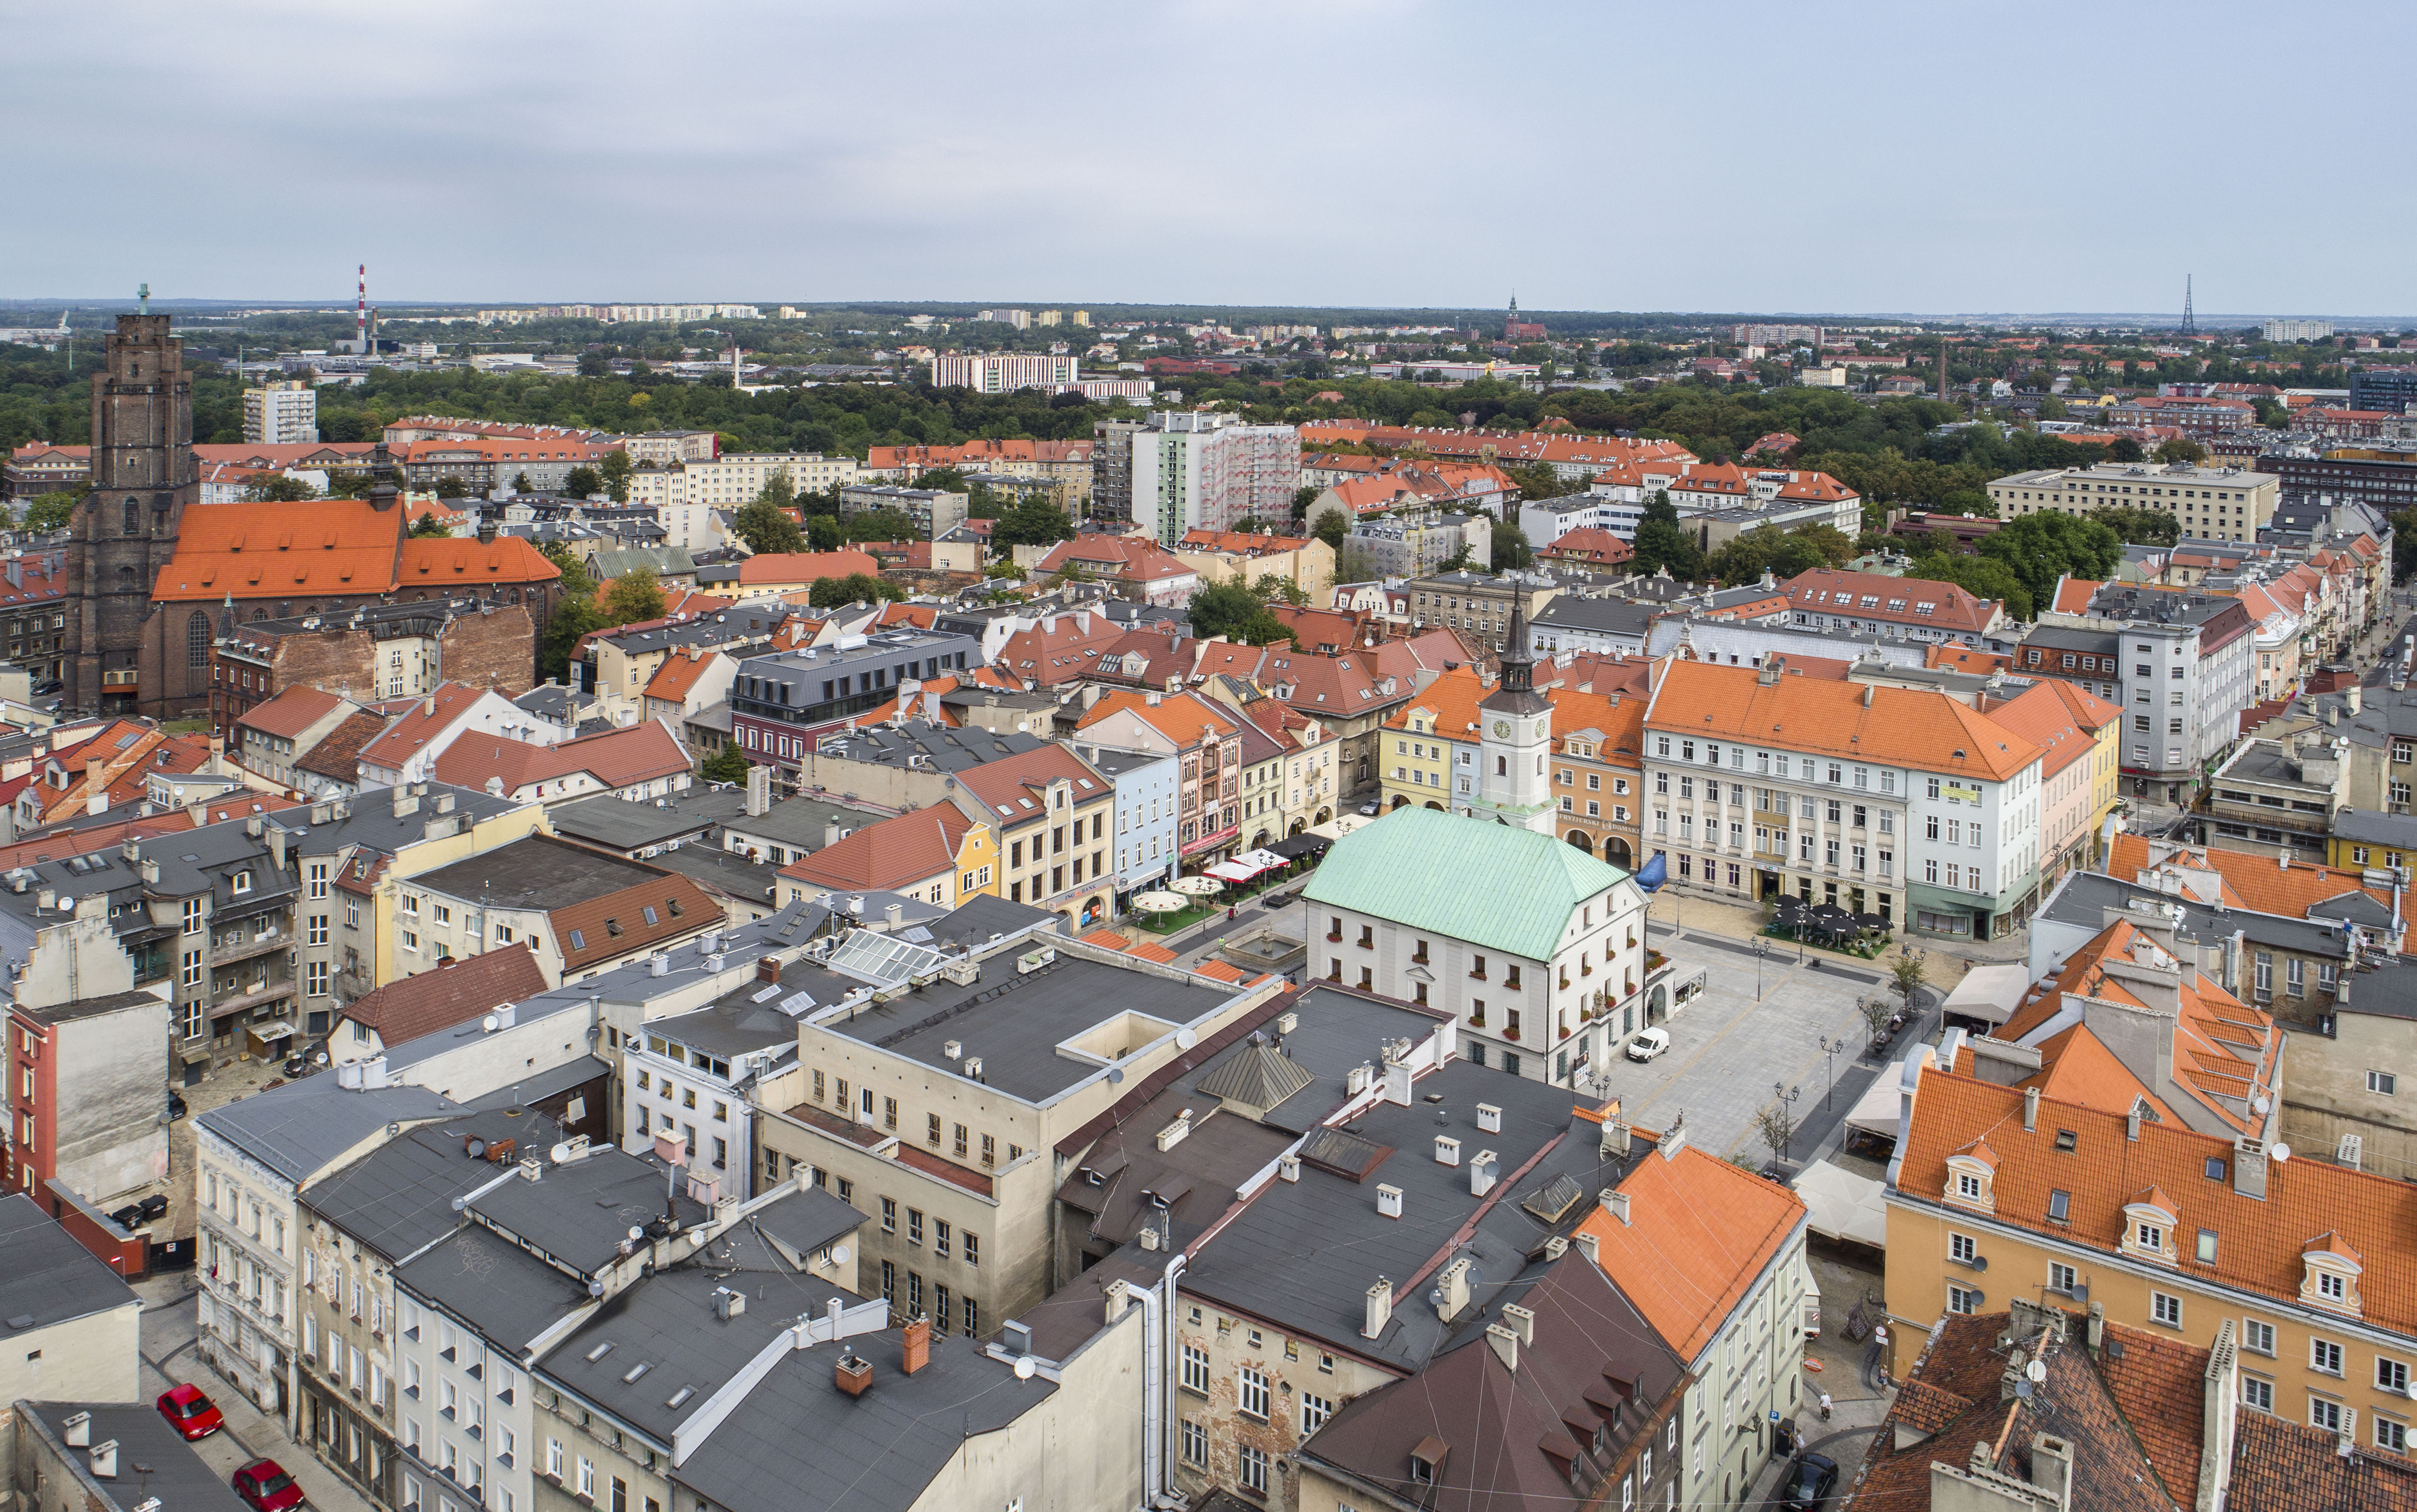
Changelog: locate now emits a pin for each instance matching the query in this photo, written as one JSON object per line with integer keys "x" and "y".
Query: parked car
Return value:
{"x": 190, "y": 1413}
{"x": 1369, "y": 809}
{"x": 1648, "y": 1044}
{"x": 1807, "y": 1485}
{"x": 266, "y": 1486}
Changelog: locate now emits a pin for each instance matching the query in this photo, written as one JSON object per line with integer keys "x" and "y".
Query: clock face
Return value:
{"x": 1502, "y": 729}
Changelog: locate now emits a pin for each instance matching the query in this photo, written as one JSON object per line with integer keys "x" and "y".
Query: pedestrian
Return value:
{"x": 1229, "y": 915}
{"x": 1825, "y": 1406}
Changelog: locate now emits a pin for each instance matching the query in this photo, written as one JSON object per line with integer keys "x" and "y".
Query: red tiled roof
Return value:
{"x": 898, "y": 854}
{"x": 291, "y": 712}
{"x": 452, "y": 992}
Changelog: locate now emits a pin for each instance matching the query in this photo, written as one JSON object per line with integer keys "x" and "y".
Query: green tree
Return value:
{"x": 1662, "y": 543}
{"x": 1536, "y": 480}
{"x": 1907, "y": 975}
{"x": 573, "y": 615}
{"x": 2040, "y": 548}
{"x": 2124, "y": 449}
{"x": 51, "y": 510}
{"x": 727, "y": 765}
{"x": 855, "y": 587}
{"x": 1303, "y": 497}
{"x": 594, "y": 364}
{"x": 2180, "y": 449}
{"x": 945, "y": 479}
{"x": 521, "y": 484}
{"x": 2139, "y": 526}
{"x": 1332, "y": 525}
{"x": 582, "y": 482}
{"x": 634, "y": 596}
{"x": 451, "y": 487}
{"x": 879, "y": 525}
{"x": 1980, "y": 576}
{"x": 616, "y": 468}
{"x": 429, "y": 526}
{"x": 764, "y": 525}
{"x": 1512, "y": 548}
{"x": 276, "y": 488}
{"x": 1035, "y": 522}
{"x": 1235, "y": 612}
{"x": 825, "y": 533}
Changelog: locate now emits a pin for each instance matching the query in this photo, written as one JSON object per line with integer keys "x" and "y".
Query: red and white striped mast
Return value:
{"x": 361, "y": 312}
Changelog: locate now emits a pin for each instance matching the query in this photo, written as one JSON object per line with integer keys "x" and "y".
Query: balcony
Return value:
{"x": 259, "y": 945}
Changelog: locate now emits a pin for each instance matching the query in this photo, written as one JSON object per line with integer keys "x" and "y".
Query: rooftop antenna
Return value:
{"x": 2190, "y": 320}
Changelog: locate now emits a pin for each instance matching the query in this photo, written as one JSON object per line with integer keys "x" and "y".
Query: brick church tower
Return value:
{"x": 124, "y": 530}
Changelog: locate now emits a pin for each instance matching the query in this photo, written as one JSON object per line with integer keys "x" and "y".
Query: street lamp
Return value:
{"x": 1761, "y": 945}
{"x": 1830, "y": 1048}
{"x": 1787, "y": 1096}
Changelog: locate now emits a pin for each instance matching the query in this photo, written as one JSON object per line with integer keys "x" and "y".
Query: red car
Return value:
{"x": 266, "y": 1486}
{"x": 190, "y": 1413}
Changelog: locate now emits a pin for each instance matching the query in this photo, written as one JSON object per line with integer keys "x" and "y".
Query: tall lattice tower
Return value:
{"x": 2190, "y": 321}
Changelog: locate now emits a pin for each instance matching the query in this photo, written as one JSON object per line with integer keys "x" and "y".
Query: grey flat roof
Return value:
{"x": 667, "y": 1323}
{"x": 370, "y": 820}
{"x": 2373, "y": 827}
{"x": 45, "y": 1276}
{"x": 297, "y": 1128}
{"x": 731, "y": 1027}
{"x": 581, "y": 1211}
{"x": 398, "y": 1197}
{"x": 618, "y": 824}
{"x": 799, "y": 1444}
{"x": 497, "y": 1287}
{"x": 980, "y": 919}
{"x": 2073, "y": 638}
{"x": 1013, "y": 1020}
{"x": 1303, "y": 1254}
{"x": 1619, "y": 616}
{"x": 538, "y": 872}
{"x": 714, "y": 869}
{"x": 800, "y": 822}
{"x": 2081, "y": 901}
{"x": 173, "y": 1471}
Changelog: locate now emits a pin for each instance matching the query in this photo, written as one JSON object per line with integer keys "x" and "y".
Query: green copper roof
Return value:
{"x": 1466, "y": 878}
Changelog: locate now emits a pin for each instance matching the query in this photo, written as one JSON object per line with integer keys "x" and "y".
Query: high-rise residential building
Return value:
{"x": 2185, "y": 665}
{"x": 1003, "y": 373}
{"x": 1049, "y": 317}
{"x": 1196, "y": 469}
{"x": 1112, "y": 449}
{"x": 2296, "y": 330}
{"x": 281, "y": 412}
{"x": 1775, "y": 335}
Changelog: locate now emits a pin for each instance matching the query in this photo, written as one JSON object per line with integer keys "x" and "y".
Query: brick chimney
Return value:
{"x": 853, "y": 1375}
{"x": 767, "y": 969}
{"x": 915, "y": 1346}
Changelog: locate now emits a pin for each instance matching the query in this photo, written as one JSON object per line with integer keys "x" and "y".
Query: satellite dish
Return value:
{"x": 67, "y": 903}
{"x": 2036, "y": 1371}
{"x": 2260, "y": 1103}
{"x": 1026, "y": 1366}
{"x": 839, "y": 1254}
{"x": 1185, "y": 1039}
{"x": 1115, "y": 1075}
{"x": 636, "y": 1233}
{"x": 2282, "y": 1153}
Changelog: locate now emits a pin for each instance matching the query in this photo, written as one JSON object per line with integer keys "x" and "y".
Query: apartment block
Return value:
{"x": 281, "y": 414}
{"x": 2220, "y": 503}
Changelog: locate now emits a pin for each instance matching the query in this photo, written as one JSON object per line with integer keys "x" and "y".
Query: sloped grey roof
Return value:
{"x": 296, "y": 1129}
{"x": 1259, "y": 1077}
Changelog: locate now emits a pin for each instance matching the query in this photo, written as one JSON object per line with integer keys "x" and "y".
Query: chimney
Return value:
{"x": 896, "y": 915}
{"x": 915, "y": 1346}
{"x": 1588, "y": 1246}
{"x": 1481, "y": 1172}
{"x": 2052, "y": 1468}
{"x": 1288, "y": 1168}
{"x": 2249, "y": 1167}
{"x": 427, "y": 706}
{"x": 95, "y": 799}
{"x": 1505, "y": 1344}
{"x": 1489, "y": 1119}
{"x": 1616, "y": 1201}
{"x": 1674, "y": 1138}
{"x": 854, "y": 1374}
{"x": 2097, "y": 1334}
{"x": 218, "y": 757}
{"x": 2031, "y": 1109}
{"x": 1389, "y": 1200}
{"x": 767, "y": 969}
{"x": 831, "y": 835}
{"x": 105, "y": 1460}
{"x": 1521, "y": 1320}
{"x": 1447, "y": 1150}
{"x": 78, "y": 1428}
{"x": 1452, "y": 1290}
{"x": 1380, "y": 1310}
{"x": 759, "y": 790}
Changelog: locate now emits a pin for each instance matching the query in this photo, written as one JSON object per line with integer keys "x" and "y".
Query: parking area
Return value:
{"x": 1755, "y": 1023}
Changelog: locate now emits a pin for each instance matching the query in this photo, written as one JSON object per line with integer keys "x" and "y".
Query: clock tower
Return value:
{"x": 1514, "y": 784}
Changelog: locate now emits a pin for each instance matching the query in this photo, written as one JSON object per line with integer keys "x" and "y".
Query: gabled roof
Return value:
{"x": 1514, "y": 889}
{"x": 2259, "y": 1240}
{"x": 680, "y": 674}
{"x": 452, "y": 992}
{"x": 292, "y": 712}
{"x": 2293, "y": 889}
{"x": 1699, "y": 1233}
{"x": 901, "y": 853}
{"x": 804, "y": 567}
{"x": 338, "y": 754}
{"x": 1897, "y": 726}
{"x": 620, "y": 924}
{"x": 615, "y": 758}
{"x": 426, "y": 719}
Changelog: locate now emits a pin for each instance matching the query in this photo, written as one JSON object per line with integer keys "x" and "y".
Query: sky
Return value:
{"x": 1737, "y": 156}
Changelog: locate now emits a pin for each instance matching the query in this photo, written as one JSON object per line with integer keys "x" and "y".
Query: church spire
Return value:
{"x": 1518, "y": 663}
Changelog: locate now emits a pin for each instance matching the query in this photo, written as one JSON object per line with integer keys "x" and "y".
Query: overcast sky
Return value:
{"x": 1854, "y": 156}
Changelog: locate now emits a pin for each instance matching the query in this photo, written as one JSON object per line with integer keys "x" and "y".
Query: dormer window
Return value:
{"x": 2149, "y": 1222}
{"x": 1971, "y": 1177}
{"x": 2331, "y": 1280}
{"x": 240, "y": 883}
